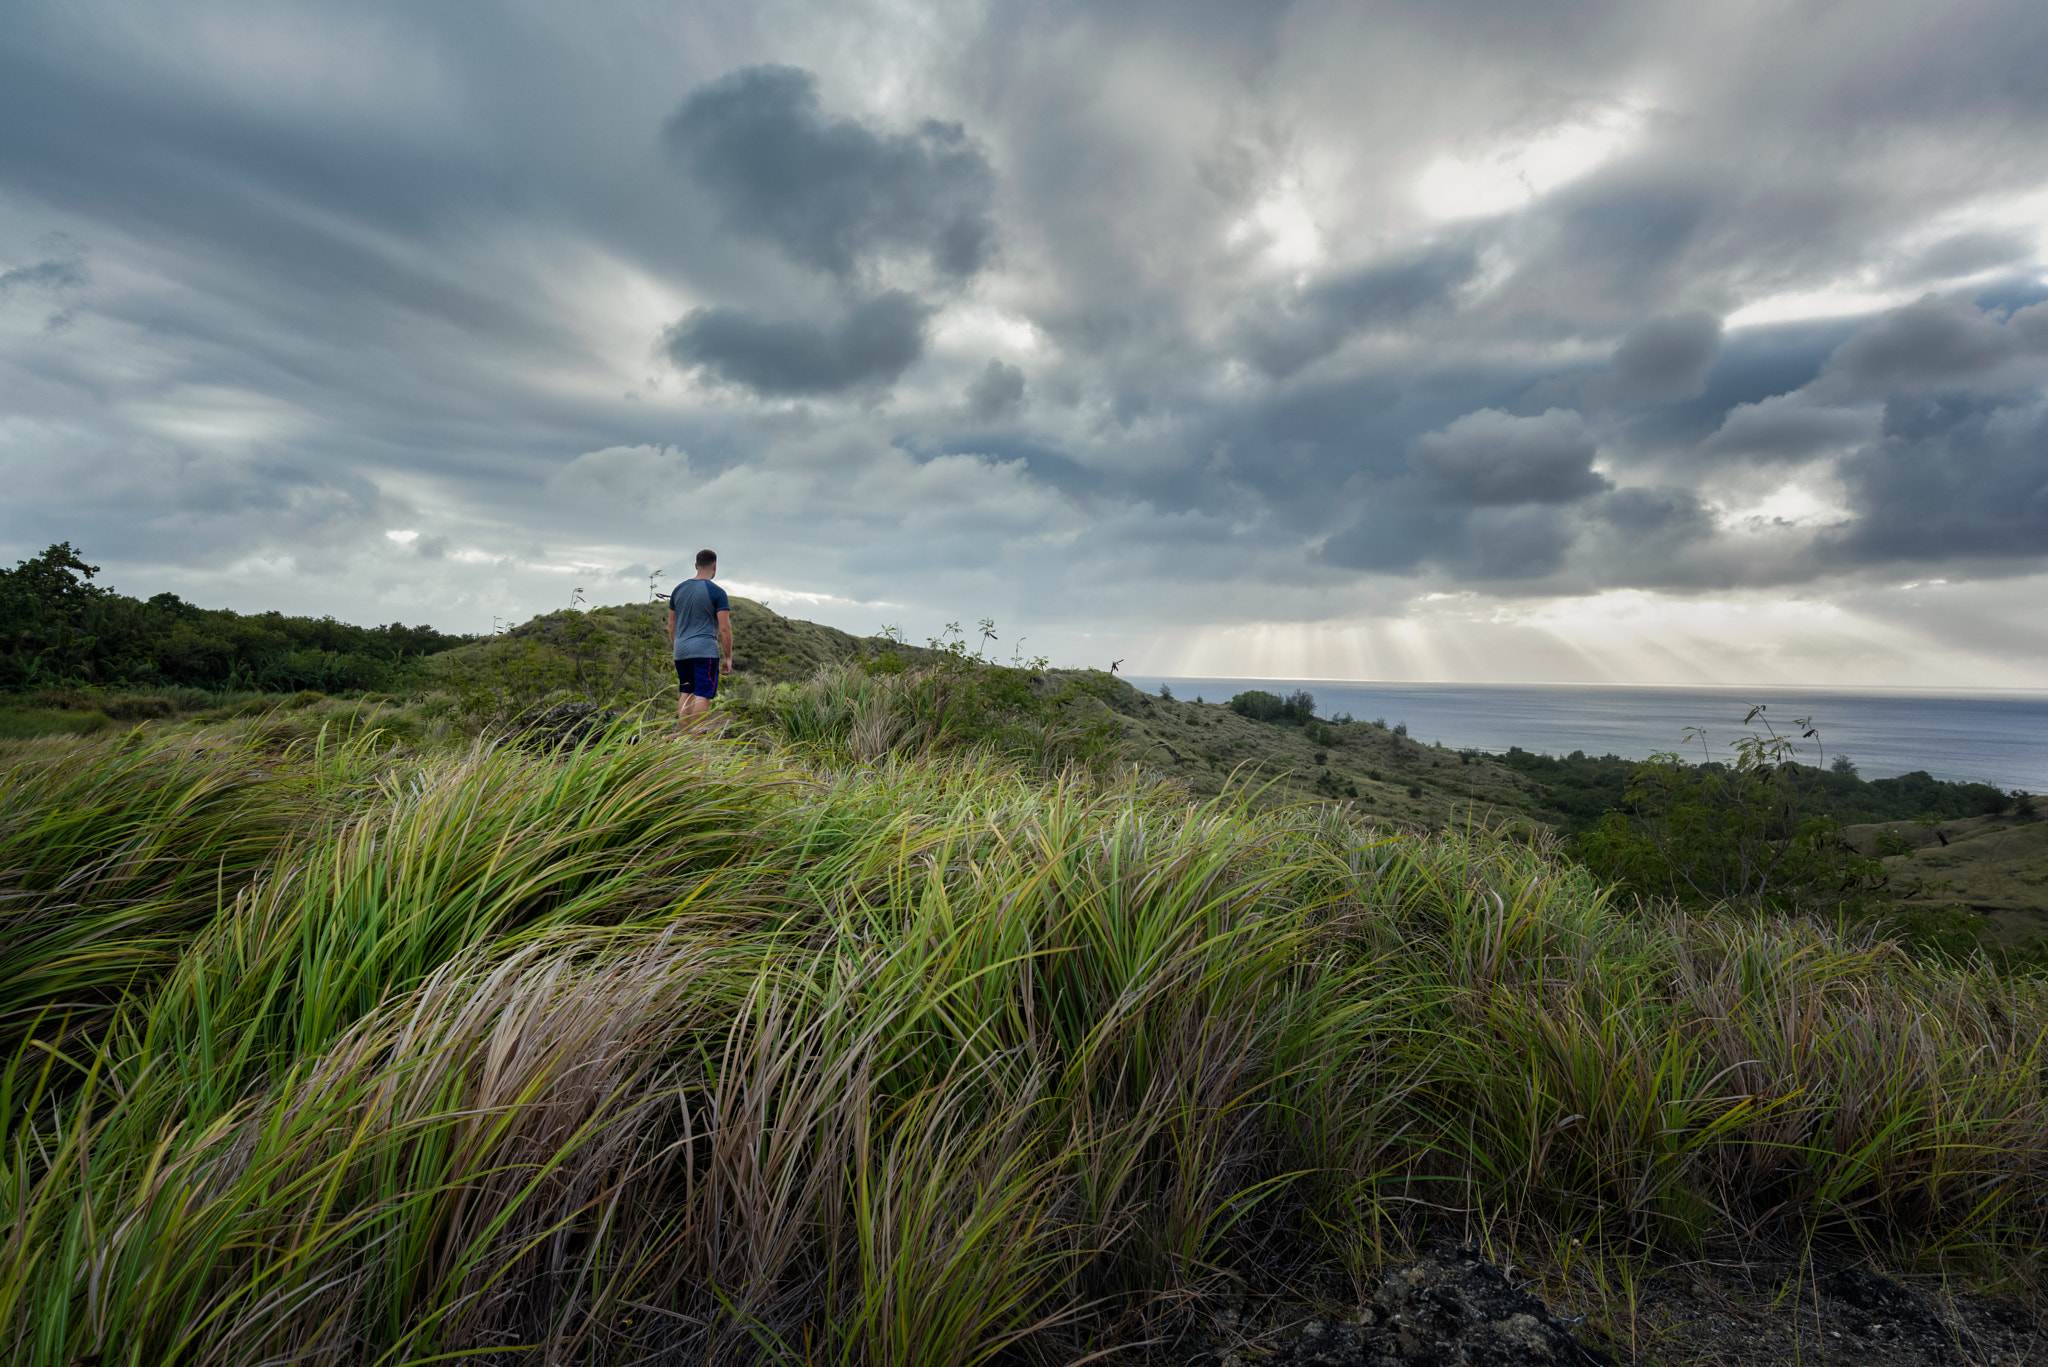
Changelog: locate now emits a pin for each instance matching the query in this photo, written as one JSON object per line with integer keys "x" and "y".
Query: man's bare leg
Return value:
{"x": 690, "y": 710}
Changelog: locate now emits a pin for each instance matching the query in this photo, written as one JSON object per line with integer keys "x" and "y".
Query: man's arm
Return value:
{"x": 671, "y": 626}
{"x": 725, "y": 642}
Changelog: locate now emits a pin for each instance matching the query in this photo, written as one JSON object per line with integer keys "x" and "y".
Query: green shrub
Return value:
{"x": 119, "y": 706}
{"x": 233, "y": 707}
{"x": 29, "y": 723}
{"x": 1258, "y": 705}
{"x": 63, "y": 699}
{"x": 1747, "y": 833}
{"x": 128, "y": 707}
{"x": 1297, "y": 707}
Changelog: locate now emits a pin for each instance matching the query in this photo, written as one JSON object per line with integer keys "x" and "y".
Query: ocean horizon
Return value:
{"x": 1996, "y": 736}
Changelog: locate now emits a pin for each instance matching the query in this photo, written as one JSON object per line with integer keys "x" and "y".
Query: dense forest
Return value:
{"x": 58, "y": 628}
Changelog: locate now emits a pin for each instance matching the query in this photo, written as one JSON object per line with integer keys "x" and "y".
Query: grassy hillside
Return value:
{"x": 713, "y": 1048}
{"x": 1391, "y": 778}
{"x": 1996, "y": 866}
{"x": 1201, "y": 745}
{"x": 630, "y": 640}
{"x": 618, "y": 654}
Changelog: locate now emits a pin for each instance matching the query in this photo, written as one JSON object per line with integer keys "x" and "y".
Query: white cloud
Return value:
{"x": 1510, "y": 174}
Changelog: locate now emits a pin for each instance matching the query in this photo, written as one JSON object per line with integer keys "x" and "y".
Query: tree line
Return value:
{"x": 59, "y": 628}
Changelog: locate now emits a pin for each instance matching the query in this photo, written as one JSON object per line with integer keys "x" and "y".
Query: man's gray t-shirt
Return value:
{"x": 697, "y": 603}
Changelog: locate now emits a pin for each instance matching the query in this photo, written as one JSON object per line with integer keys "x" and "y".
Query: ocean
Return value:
{"x": 1987, "y": 736}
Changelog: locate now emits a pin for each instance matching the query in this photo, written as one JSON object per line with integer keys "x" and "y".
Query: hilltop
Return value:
{"x": 1203, "y": 745}
{"x": 1206, "y": 745}
{"x": 766, "y": 645}
{"x": 619, "y": 651}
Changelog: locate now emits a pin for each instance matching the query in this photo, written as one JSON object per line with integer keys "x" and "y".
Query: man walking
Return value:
{"x": 700, "y": 625}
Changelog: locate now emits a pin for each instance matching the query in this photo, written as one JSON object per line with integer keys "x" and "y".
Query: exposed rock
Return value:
{"x": 1450, "y": 1309}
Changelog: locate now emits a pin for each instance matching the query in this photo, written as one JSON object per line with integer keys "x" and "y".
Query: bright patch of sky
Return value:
{"x": 1508, "y": 175}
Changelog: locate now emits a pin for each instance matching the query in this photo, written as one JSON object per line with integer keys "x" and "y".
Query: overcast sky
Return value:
{"x": 1455, "y": 339}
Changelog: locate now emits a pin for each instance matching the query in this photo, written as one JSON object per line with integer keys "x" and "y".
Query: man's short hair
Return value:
{"x": 706, "y": 558}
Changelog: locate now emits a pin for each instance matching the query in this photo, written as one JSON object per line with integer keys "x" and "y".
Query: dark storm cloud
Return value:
{"x": 996, "y": 393}
{"x": 1936, "y": 342}
{"x": 1475, "y": 504}
{"x": 1954, "y": 475}
{"x": 1667, "y": 514}
{"x": 1754, "y": 366}
{"x": 1617, "y": 244}
{"x": 1785, "y": 429}
{"x": 1395, "y": 535}
{"x": 1485, "y": 544}
{"x": 1515, "y": 543}
{"x": 875, "y": 342}
{"x": 1493, "y": 458}
{"x": 1382, "y": 296}
{"x": 833, "y": 193}
{"x": 1664, "y": 360}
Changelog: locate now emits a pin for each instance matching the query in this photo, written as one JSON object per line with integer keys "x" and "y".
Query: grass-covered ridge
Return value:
{"x": 347, "y": 1051}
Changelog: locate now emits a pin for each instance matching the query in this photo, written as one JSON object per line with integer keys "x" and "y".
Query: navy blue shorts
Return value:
{"x": 698, "y": 676}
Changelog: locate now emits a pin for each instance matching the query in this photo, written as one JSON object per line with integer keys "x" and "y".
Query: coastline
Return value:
{"x": 1999, "y": 736}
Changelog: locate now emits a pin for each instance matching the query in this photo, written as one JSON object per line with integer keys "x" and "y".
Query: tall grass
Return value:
{"x": 344, "y": 1053}
{"x": 861, "y": 712}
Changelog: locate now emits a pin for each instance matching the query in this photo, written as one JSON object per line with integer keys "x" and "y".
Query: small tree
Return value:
{"x": 1259, "y": 705}
{"x": 1743, "y": 832}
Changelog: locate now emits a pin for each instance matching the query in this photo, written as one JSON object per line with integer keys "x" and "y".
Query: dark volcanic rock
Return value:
{"x": 1451, "y": 1309}
{"x": 1885, "y": 1305}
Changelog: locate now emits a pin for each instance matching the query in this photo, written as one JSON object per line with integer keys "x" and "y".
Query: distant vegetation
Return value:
{"x": 1297, "y": 708}
{"x": 59, "y": 629}
{"x": 1581, "y": 790}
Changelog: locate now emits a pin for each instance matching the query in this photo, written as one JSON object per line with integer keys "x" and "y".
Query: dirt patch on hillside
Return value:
{"x": 1779, "y": 1315}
